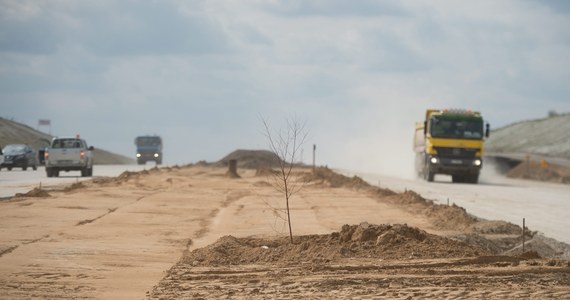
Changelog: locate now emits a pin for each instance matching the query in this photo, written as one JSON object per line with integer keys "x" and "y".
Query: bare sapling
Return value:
{"x": 286, "y": 145}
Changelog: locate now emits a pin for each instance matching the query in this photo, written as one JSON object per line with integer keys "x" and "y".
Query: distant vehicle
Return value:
{"x": 450, "y": 142}
{"x": 69, "y": 154}
{"x": 19, "y": 156}
{"x": 42, "y": 145}
{"x": 149, "y": 148}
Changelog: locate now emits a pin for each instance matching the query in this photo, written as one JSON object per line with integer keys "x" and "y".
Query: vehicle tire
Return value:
{"x": 24, "y": 168}
{"x": 55, "y": 173}
{"x": 90, "y": 172}
{"x": 34, "y": 167}
{"x": 84, "y": 172}
{"x": 9, "y": 168}
{"x": 428, "y": 173}
{"x": 430, "y": 176}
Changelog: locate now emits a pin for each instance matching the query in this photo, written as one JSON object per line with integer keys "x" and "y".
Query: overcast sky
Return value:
{"x": 201, "y": 73}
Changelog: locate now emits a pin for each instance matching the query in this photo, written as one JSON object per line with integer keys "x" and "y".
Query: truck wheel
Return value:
{"x": 9, "y": 168}
{"x": 49, "y": 172}
{"x": 90, "y": 172}
{"x": 84, "y": 172}
{"x": 56, "y": 173}
{"x": 430, "y": 176}
{"x": 34, "y": 167}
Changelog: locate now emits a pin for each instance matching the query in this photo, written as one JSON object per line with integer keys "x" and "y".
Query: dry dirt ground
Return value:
{"x": 541, "y": 170}
{"x": 192, "y": 232}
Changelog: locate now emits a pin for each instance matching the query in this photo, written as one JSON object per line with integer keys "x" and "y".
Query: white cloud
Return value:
{"x": 201, "y": 72}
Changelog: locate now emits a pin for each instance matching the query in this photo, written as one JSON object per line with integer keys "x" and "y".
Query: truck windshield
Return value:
{"x": 456, "y": 127}
{"x": 148, "y": 141}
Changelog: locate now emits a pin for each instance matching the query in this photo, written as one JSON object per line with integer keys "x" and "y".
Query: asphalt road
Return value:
{"x": 18, "y": 181}
{"x": 545, "y": 206}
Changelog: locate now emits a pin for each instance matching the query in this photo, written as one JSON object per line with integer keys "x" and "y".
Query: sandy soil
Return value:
{"x": 192, "y": 232}
{"x": 541, "y": 170}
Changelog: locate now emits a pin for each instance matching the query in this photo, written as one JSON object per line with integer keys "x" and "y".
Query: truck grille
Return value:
{"x": 456, "y": 152}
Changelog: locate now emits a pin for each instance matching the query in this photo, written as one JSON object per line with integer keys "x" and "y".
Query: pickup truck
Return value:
{"x": 69, "y": 154}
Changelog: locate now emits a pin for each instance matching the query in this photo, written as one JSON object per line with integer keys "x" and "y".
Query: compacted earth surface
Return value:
{"x": 194, "y": 232}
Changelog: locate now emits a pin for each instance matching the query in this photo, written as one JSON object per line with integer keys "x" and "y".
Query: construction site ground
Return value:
{"x": 193, "y": 232}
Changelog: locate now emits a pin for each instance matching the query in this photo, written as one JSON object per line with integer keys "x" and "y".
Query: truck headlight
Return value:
{"x": 477, "y": 162}
{"x": 156, "y": 155}
{"x": 434, "y": 160}
{"x": 138, "y": 155}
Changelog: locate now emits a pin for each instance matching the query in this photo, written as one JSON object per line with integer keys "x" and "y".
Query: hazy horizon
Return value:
{"x": 202, "y": 73}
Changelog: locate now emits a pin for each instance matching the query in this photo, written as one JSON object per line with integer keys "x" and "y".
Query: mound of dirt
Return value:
{"x": 123, "y": 177}
{"x": 327, "y": 177}
{"x": 442, "y": 216}
{"x": 75, "y": 186}
{"x": 266, "y": 172}
{"x": 496, "y": 227}
{"x": 542, "y": 171}
{"x": 36, "y": 192}
{"x": 251, "y": 159}
{"x": 356, "y": 241}
{"x": 544, "y": 246}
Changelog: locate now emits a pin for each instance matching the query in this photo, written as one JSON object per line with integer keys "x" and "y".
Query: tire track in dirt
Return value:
{"x": 111, "y": 210}
{"x": 368, "y": 279}
{"x": 205, "y": 223}
{"x": 88, "y": 221}
{"x": 10, "y": 249}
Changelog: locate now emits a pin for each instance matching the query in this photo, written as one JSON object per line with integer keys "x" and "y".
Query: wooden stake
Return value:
{"x": 314, "y": 151}
{"x": 523, "y": 235}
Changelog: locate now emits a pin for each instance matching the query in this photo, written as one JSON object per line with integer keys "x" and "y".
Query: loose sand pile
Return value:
{"x": 496, "y": 237}
{"x": 542, "y": 171}
{"x": 327, "y": 178}
{"x": 251, "y": 159}
{"x": 357, "y": 241}
{"x": 442, "y": 216}
{"x": 36, "y": 192}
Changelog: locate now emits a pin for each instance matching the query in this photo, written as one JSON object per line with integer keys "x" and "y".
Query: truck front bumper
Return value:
{"x": 455, "y": 166}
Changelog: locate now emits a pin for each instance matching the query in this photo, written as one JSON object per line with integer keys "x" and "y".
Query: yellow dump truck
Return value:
{"x": 450, "y": 142}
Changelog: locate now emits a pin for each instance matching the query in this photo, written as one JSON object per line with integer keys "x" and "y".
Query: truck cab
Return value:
{"x": 149, "y": 148}
{"x": 450, "y": 142}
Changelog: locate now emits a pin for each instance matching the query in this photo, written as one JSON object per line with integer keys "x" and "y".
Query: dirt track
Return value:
{"x": 118, "y": 238}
